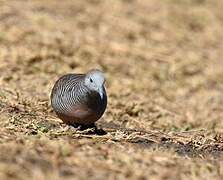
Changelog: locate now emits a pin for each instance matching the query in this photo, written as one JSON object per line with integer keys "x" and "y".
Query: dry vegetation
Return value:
{"x": 164, "y": 67}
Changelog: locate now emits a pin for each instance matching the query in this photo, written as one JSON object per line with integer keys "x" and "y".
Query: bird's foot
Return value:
{"x": 83, "y": 127}
{"x": 91, "y": 129}
{"x": 100, "y": 132}
{"x": 96, "y": 130}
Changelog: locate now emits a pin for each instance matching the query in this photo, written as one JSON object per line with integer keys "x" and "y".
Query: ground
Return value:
{"x": 164, "y": 69}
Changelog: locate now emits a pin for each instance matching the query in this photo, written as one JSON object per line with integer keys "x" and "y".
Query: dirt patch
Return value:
{"x": 164, "y": 69}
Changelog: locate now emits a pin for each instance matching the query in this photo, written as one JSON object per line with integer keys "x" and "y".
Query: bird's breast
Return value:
{"x": 96, "y": 102}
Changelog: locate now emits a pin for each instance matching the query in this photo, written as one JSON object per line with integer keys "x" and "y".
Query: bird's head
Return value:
{"x": 95, "y": 80}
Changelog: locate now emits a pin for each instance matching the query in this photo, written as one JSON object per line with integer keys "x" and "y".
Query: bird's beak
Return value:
{"x": 101, "y": 92}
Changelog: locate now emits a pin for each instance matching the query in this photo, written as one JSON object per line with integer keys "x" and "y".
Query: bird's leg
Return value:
{"x": 90, "y": 128}
{"x": 75, "y": 125}
{"x": 83, "y": 127}
{"x": 96, "y": 130}
{"x": 72, "y": 126}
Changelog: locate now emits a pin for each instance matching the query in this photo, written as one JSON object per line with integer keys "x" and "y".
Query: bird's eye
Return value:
{"x": 91, "y": 80}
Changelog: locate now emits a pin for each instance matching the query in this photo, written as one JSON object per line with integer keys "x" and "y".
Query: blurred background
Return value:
{"x": 164, "y": 68}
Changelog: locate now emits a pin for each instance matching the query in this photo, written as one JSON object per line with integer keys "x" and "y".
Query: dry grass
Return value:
{"x": 164, "y": 67}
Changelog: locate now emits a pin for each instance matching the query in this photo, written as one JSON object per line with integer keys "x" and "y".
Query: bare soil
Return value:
{"x": 164, "y": 68}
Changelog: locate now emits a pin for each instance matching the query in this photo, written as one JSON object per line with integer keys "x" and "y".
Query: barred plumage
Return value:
{"x": 79, "y": 98}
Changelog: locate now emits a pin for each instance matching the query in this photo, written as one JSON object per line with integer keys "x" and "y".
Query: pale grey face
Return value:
{"x": 95, "y": 80}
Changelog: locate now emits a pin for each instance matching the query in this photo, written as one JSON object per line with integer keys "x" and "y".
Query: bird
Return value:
{"x": 79, "y": 100}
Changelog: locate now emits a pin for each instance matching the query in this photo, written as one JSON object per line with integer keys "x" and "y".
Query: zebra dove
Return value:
{"x": 80, "y": 99}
